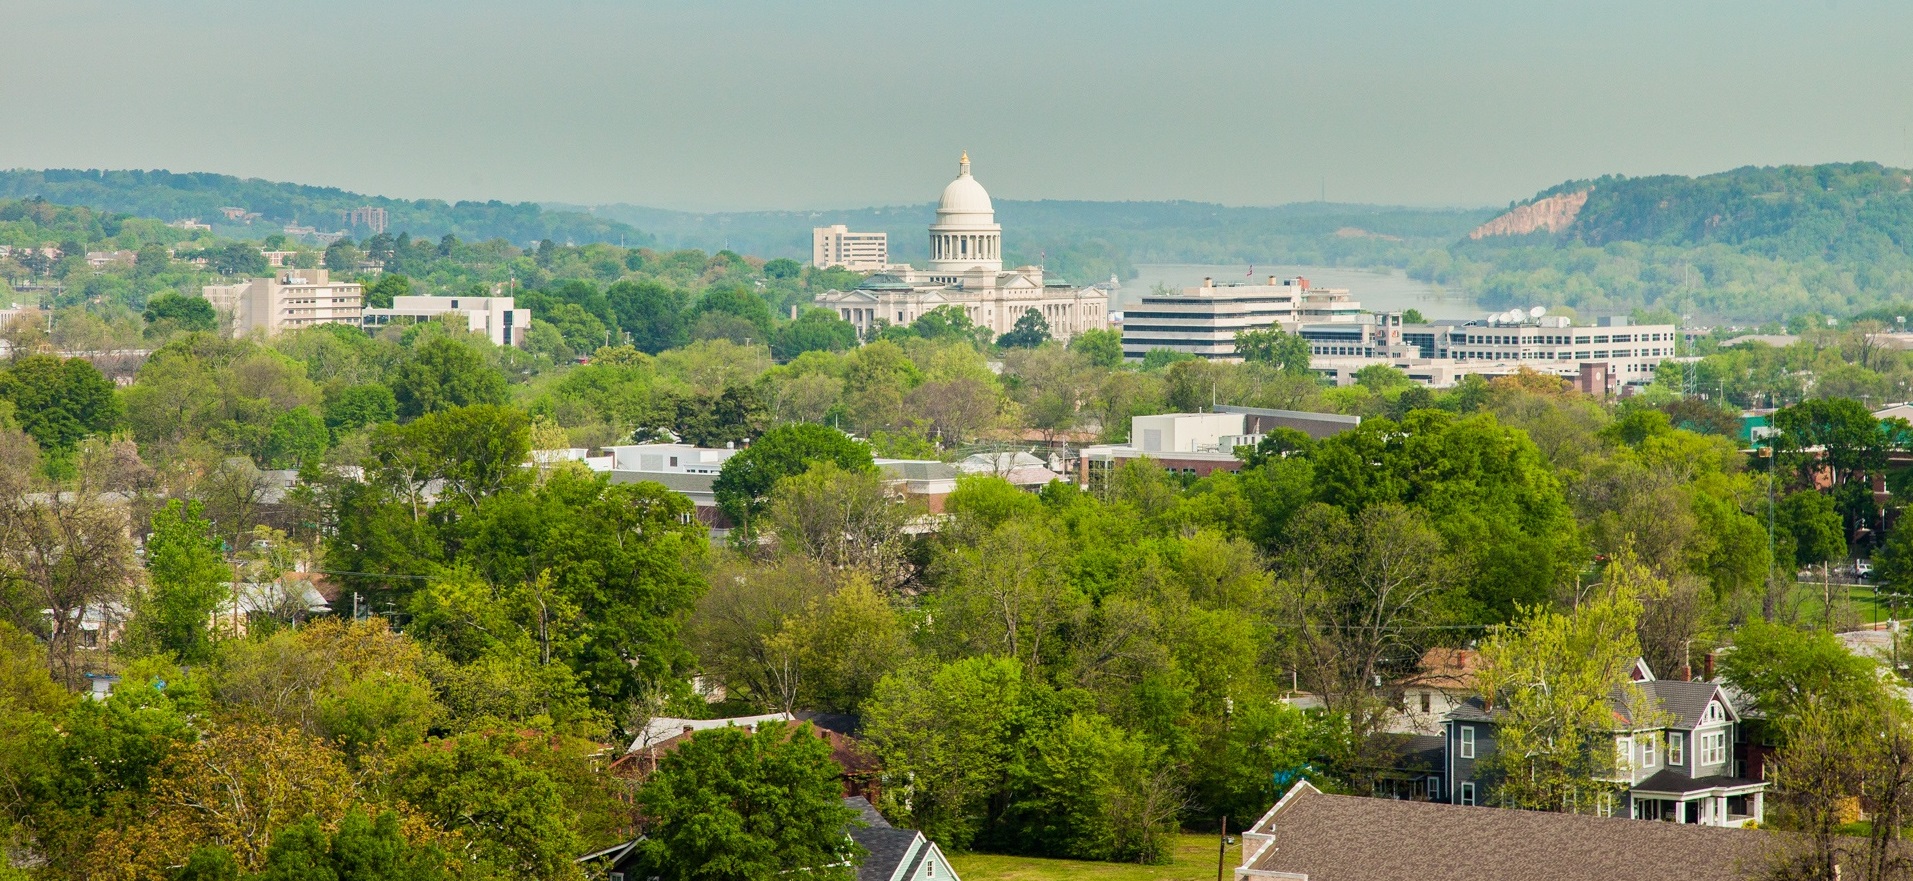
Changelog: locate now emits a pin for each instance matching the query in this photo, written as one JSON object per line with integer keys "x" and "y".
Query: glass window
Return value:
{"x": 1647, "y": 752}
{"x": 1468, "y": 793}
{"x": 1467, "y": 741}
{"x": 1676, "y": 747}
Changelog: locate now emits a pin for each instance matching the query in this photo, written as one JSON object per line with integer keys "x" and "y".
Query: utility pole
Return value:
{"x": 1222, "y": 848}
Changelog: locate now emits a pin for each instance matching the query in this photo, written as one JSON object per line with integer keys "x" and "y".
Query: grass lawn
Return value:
{"x": 1195, "y": 860}
{"x": 1859, "y": 598}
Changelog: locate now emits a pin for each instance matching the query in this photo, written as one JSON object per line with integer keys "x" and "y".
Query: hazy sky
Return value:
{"x": 763, "y": 104}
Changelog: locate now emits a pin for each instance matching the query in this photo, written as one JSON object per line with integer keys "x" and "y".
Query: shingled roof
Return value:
{"x": 1318, "y": 837}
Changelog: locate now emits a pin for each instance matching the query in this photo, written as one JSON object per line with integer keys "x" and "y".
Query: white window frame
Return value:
{"x": 1434, "y": 787}
{"x": 1713, "y": 748}
{"x": 1623, "y": 753}
{"x": 1647, "y": 751}
{"x": 1468, "y": 793}
{"x": 1604, "y": 804}
{"x": 1713, "y": 713}
{"x": 1676, "y": 748}
{"x": 1466, "y": 736}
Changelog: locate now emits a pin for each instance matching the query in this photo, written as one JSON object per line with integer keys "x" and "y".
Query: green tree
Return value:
{"x": 361, "y": 849}
{"x": 184, "y": 313}
{"x": 1818, "y": 533}
{"x": 949, "y": 322}
{"x": 1274, "y": 346}
{"x": 1553, "y": 677}
{"x": 298, "y": 436}
{"x": 1031, "y": 330}
{"x": 731, "y": 805}
{"x": 783, "y": 268}
{"x": 1785, "y": 670}
{"x": 1160, "y": 357}
{"x": 514, "y": 813}
{"x": 815, "y": 330}
{"x": 445, "y": 373}
{"x": 188, "y": 579}
{"x": 379, "y": 293}
{"x": 1893, "y": 562}
{"x": 1102, "y": 346}
{"x": 950, "y": 731}
{"x": 745, "y": 482}
{"x": 651, "y": 312}
{"x": 59, "y": 401}
{"x": 348, "y": 408}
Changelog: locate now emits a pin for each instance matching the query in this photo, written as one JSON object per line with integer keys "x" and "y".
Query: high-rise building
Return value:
{"x": 368, "y": 217}
{"x": 289, "y": 300}
{"x": 836, "y": 245}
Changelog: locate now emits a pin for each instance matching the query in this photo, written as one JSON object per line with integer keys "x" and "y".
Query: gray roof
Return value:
{"x": 1685, "y": 700}
{"x": 1348, "y": 838}
{"x": 866, "y": 812}
{"x": 919, "y": 470}
{"x": 1674, "y": 781}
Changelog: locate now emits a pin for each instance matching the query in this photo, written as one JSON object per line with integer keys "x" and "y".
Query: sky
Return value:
{"x": 763, "y": 104}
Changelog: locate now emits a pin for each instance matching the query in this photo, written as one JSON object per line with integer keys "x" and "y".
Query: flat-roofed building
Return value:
{"x": 1204, "y": 321}
{"x": 498, "y": 318}
{"x": 1199, "y": 443}
{"x": 837, "y": 245}
{"x": 289, "y": 300}
{"x": 1552, "y": 344}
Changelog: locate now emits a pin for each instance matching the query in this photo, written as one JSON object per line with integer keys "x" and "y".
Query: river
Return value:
{"x": 1380, "y": 291}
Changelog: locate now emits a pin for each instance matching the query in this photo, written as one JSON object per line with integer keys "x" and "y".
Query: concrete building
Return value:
{"x": 368, "y": 217}
{"x": 856, "y": 251}
{"x": 1203, "y": 321}
{"x": 289, "y": 300}
{"x": 1199, "y": 443}
{"x": 966, "y": 271}
{"x": 1550, "y": 344}
{"x": 498, "y": 318}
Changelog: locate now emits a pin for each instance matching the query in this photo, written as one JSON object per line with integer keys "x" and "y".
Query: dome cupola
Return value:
{"x": 965, "y": 236}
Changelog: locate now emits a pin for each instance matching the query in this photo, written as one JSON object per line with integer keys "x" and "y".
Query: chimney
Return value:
{"x": 1303, "y": 281}
{"x": 1208, "y": 282}
{"x": 1273, "y": 281}
{"x": 1707, "y": 666}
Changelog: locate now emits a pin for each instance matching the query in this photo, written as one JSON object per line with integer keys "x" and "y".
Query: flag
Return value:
{"x": 1251, "y": 271}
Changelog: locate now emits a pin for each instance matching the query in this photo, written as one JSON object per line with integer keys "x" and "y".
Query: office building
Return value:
{"x": 856, "y": 251}
{"x": 1204, "y": 321}
{"x": 289, "y": 300}
{"x": 497, "y": 318}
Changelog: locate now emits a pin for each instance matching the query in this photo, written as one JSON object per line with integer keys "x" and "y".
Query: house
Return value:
{"x": 890, "y": 853}
{"x": 1312, "y": 836}
{"x": 860, "y": 771}
{"x": 1020, "y": 469}
{"x": 893, "y": 854}
{"x": 1685, "y": 763}
{"x": 1445, "y": 680}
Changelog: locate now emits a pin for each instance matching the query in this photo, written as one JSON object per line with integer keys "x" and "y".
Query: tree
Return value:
{"x": 734, "y": 805}
{"x": 1817, "y": 531}
{"x": 746, "y": 480}
{"x": 298, "y": 436}
{"x": 949, "y": 731}
{"x": 650, "y": 312}
{"x": 1274, "y": 346}
{"x": 188, "y": 579}
{"x": 1031, "y": 330}
{"x": 1783, "y": 670}
{"x": 514, "y": 812}
{"x": 1102, "y": 346}
{"x": 815, "y": 330}
{"x": 379, "y": 294}
{"x": 844, "y": 519}
{"x": 445, "y": 373}
{"x": 59, "y": 401}
{"x": 949, "y": 322}
{"x": 184, "y": 313}
{"x": 1553, "y": 678}
{"x": 783, "y": 268}
{"x": 357, "y": 406}
{"x": 1893, "y": 562}
{"x": 362, "y": 849}
{"x": 476, "y": 450}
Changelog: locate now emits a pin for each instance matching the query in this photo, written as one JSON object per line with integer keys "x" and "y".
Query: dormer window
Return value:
{"x": 1713, "y": 713}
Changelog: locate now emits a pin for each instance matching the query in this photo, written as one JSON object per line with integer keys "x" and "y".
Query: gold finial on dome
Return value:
{"x": 965, "y": 161}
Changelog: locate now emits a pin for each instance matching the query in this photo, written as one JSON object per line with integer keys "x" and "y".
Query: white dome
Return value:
{"x": 964, "y": 195}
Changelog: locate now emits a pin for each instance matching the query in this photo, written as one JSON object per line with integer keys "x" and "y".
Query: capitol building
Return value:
{"x": 966, "y": 270}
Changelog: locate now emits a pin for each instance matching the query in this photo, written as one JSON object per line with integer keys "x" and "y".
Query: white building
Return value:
{"x": 495, "y": 317}
{"x": 668, "y": 458}
{"x": 289, "y": 300}
{"x": 1203, "y": 321}
{"x": 966, "y": 271}
{"x": 836, "y": 245}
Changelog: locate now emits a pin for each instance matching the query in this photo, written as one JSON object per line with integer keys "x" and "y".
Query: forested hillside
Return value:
{"x": 1749, "y": 244}
{"x": 170, "y": 196}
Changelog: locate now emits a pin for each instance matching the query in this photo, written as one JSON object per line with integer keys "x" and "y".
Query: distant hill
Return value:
{"x": 1852, "y": 211}
{"x": 173, "y": 196}
{"x": 1751, "y": 243}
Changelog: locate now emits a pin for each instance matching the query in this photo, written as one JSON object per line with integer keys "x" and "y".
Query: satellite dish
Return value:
{"x": 1537, "y": 311}
{"x": 1514, "y": 316}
